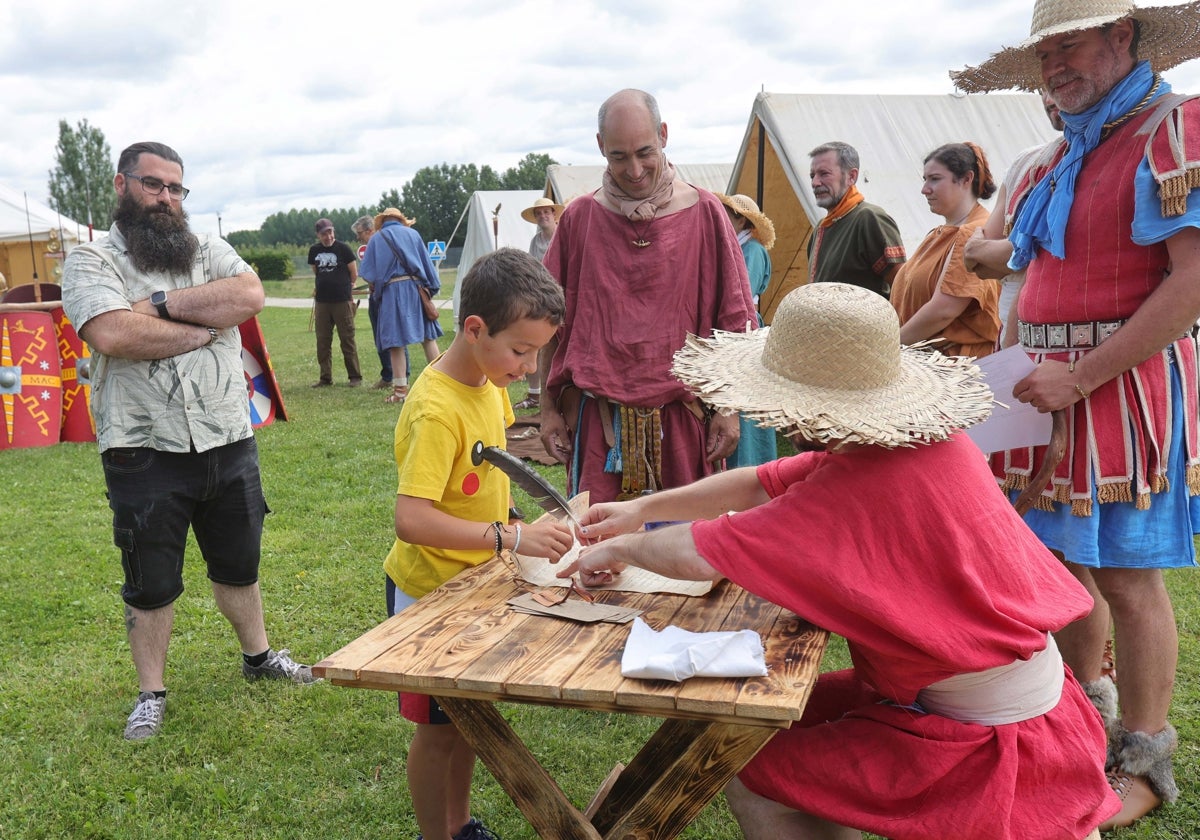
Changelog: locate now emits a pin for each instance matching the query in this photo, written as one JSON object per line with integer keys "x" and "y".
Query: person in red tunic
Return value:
{"x": 1108, "y": 233}
{"x": 958, "y": 718}
{"x": 643, "y": 261}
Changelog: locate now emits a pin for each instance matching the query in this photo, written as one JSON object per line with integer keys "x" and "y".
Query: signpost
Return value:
{"x": 437, "y": 250}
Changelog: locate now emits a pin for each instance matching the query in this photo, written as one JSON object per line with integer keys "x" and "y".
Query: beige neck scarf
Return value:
{"x": 642, "y": 209}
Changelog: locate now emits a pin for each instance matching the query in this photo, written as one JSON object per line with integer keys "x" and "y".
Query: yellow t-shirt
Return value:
{"x": 440, "y": 423}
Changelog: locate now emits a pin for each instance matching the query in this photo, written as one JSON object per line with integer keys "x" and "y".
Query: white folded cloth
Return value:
{"x": 676, "y": 654}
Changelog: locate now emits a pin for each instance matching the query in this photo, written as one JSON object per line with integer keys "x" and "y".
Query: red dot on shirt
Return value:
{"x": 470, "y": 484}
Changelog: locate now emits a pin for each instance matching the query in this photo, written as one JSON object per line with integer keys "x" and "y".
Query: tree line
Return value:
{"x": 436, "y": 196}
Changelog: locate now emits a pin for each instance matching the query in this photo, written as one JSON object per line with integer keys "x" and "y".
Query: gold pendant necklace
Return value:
{"x": 640, "y": 240}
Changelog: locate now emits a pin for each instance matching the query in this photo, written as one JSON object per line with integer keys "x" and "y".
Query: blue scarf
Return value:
{"x": 1042, "y": 219}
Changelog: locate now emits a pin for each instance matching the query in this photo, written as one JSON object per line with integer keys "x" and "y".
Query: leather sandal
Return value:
{"x": 528, "y": 402}
{"x": 1137, "y": 799}
{"x": 398, "y": 395}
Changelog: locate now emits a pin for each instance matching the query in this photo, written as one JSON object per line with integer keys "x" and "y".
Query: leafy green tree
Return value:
{"x": 436, "y": 196}
{"x": 528, "y": 174}
{"x": 81, "y": 181}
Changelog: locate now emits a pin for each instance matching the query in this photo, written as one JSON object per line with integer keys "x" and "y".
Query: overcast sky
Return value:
{"x": 276, "y": 106}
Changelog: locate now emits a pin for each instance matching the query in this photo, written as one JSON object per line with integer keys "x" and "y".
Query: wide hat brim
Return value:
{"x": 1170, "y": 35}
{"x": 924, "y": 398}
{"x": 393, "y": 213}
{"x": 527, "y": 213}
{"x": 764, "y": 228}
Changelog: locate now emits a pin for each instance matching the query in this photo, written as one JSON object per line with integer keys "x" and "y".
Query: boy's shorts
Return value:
{"x": 419, "y": 708}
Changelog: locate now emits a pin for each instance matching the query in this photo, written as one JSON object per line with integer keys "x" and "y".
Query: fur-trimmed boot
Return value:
{"x": 1140, "y": 772}
{"x": 1103, "y": 695}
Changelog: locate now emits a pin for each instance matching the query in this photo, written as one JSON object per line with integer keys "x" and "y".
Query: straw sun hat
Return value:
{"x": 393, "y": 213}
{"x": 744, "y": 205}
{"x": 527, "y": 213}
{"x": 1170, "y": 35}
{"x": 831, "y": 368}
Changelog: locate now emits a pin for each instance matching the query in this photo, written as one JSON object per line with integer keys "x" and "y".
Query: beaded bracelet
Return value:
{"x": 497, "y": 526}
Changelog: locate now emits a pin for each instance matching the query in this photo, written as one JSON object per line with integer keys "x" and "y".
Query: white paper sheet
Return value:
{"x": 1013, "y": 424}
{"x": 676, "y": 654}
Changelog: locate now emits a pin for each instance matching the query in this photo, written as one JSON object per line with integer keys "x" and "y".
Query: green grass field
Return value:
{"x": 268, "y": 760}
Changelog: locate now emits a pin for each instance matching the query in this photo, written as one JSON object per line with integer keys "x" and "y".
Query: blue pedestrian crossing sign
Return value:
{"x": 437, "y": 250}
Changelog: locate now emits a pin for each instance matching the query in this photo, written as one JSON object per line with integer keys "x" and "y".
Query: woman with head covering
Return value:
{"x": 958, "y": 718}
{"x": 756, "y": 235}
{"x": 934, "y": 293}
{"x": 398, "y": 267}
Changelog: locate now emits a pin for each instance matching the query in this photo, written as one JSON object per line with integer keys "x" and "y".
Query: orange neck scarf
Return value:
{"x": 849, "y": 201}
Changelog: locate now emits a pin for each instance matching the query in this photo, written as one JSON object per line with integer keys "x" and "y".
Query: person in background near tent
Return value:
{"x": 396, "y": 264}
{"x": 544, "y": 213}
{"x": 643, "y": 261}
{"x": 856, "y": 242}
{"x": 988, "y": 250}
{"x": 756, "y": 235}
{"x": 450, "y": 511}
{"x": 160, "y": 307}
{"x": 934, "y": 293}
{"x": 958, "y": 718}
{"x": 1109, "y": 237}
{"x": 364, "y": 229}
{"x": 334, "y": 270}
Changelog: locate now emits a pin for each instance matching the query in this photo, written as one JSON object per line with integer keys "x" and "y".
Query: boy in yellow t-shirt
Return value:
{"x": 450, "y": 512}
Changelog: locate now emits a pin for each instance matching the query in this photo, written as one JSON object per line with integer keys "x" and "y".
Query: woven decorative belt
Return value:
{"x": 1077, "y": 335}
{"x": 398, "y": 278}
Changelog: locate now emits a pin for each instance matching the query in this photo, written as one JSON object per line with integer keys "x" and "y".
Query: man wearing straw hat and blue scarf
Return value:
{"x": 1109, "y": 232}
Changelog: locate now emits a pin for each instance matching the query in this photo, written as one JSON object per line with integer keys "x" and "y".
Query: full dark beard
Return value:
{"x": 158, "y": 238}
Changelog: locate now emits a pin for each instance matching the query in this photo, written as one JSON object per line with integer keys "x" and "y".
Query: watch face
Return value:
{"x": 158, "y": 298}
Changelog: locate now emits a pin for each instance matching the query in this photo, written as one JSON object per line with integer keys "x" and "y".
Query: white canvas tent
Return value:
{"x": 494, "y": 221}
{"x": 892, "y": 134}
{"x": 18, "y": 261}
{"x": 564, "y": 183}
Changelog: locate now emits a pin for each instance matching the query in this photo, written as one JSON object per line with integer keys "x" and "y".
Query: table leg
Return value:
{"x": 674, "y": 777}
{"x": 526, "y": 782}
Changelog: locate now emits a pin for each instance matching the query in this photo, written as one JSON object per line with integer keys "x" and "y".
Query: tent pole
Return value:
{"x": 37, "y": 288}
{"x": 461, "y": 216}
{"x": 762, "y": 142}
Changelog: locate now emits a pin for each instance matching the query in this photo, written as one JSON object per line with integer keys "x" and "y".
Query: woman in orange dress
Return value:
{"x": 934, "y": 294}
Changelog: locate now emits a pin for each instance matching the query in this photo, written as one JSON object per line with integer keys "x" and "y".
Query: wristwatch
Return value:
{"x": 159, "y": 300}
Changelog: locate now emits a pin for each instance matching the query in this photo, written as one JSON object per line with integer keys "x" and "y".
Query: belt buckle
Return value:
{"x": 1083, "y": 335}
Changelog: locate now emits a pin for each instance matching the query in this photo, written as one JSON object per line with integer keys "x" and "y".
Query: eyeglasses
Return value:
{"x": 155, "y": 187}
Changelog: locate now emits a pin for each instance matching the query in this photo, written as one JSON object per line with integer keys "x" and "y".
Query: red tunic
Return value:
{"x": 1120, "y": 434}
{"x": 629, "y": 309}
{"x": 924, "y": 567}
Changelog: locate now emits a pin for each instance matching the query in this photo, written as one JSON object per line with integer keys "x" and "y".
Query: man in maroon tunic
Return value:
{"x": 643, "y": 261}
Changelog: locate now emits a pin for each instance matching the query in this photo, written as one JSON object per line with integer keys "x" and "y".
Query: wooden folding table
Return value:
{"x": 464, "y": 645}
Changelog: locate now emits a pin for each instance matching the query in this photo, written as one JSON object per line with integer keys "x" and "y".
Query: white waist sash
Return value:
{"x": 1009, "y": 693}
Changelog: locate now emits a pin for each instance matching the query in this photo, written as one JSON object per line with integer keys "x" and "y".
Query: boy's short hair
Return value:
{"x": 507, "y": 285}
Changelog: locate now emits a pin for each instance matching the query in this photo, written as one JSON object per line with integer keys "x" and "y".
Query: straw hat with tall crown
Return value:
{"x": 1168, "y": 36}
{"x": 831, "y": 368}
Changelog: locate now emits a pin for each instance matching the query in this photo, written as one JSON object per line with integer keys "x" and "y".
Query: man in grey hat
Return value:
{"x": 1109, "y": 235}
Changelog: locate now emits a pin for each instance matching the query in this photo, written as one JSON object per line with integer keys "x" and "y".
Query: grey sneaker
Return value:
{"x": 146, "y": 718}
{"x": 279, "y": 666}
